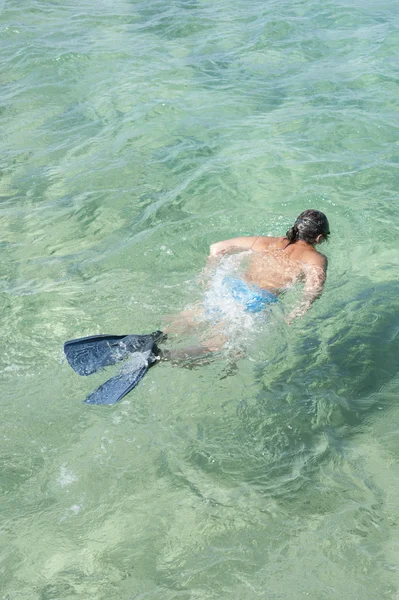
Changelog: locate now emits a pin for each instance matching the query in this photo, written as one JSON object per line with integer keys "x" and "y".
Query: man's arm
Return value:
{"x": 315, "y": 272}
{"x": 239, "y": 243}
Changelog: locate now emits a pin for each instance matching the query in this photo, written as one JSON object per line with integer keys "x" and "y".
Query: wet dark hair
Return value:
{"x": 310, "y": 224}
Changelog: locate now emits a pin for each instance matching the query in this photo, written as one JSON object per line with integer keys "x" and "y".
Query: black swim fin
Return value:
{"x": 117, "y": 387}
{"x": 90, "y": 354}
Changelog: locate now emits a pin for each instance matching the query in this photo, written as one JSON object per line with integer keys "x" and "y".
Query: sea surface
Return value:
{"x": 134, "y": 135}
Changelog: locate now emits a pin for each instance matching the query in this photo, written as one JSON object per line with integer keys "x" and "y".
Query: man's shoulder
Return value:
{"x": 315, "y": 258}
{"x": 264, "y": 241}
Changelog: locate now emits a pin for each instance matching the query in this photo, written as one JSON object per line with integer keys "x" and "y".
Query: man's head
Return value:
{"x": 311, "y": 226}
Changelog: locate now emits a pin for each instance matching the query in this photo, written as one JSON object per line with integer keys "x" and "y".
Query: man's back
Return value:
{"x": 274, "y": 262}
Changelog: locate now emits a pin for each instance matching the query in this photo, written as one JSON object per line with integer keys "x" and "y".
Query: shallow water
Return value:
{"x": 133, "y": 136}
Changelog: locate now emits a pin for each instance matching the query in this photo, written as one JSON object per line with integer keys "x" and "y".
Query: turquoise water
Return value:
{"x": 133, "y": 135}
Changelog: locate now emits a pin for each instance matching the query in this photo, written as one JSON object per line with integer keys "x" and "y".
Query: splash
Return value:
{"x": 223, "y": 311}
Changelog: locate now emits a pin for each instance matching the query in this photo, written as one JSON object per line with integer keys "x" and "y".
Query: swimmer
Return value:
{"x": 274, "y": 264}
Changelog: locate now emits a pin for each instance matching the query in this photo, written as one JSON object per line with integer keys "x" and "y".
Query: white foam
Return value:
{"x": 136, "y": 361}
{"x": 66, "y": 477}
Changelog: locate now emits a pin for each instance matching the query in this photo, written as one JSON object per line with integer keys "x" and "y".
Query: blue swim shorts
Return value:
{"x": 252, "y": 297}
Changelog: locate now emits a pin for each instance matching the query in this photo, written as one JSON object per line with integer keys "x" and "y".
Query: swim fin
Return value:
{"x": 117, "y": 387}
{"x": 90, "y": 354}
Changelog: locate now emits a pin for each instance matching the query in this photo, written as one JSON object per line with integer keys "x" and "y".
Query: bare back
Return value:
{"x": 276, "y": 264}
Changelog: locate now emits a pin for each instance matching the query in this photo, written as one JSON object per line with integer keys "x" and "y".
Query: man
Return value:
{"x": 273, "y": 264}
